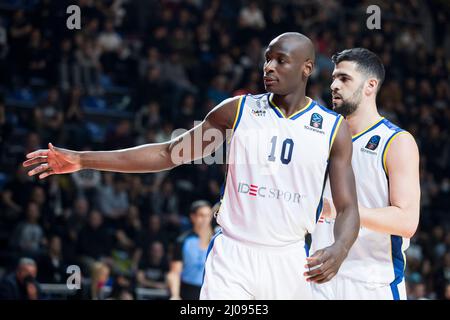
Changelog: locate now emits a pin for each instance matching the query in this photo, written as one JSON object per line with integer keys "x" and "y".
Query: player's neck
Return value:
{"x": 291, "y": 103}
{"x": 364, "y": 117}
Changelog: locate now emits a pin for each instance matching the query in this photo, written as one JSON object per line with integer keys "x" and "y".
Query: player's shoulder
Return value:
{"x": 400, "y": 143}
{"x": 396, "y": 133}
{"x": 400, "y": 151}
{"x": 223, "y": 114}
{"x": 403, "y": 142}
{"x": 391, "y": 127}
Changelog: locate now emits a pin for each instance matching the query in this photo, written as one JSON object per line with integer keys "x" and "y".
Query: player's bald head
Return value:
{"x": 289, "y": 63}
{"x": 294, "y": 43}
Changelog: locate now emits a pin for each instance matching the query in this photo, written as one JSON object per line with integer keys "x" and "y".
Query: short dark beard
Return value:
{"x": 351, "y": 104}
{"x": 346, "y": 108}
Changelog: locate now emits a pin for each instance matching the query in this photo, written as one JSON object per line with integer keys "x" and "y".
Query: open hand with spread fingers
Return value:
{"x": 52, "y": 161}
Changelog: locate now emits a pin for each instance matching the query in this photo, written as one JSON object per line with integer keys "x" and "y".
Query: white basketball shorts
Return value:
{"x": 238, "y": 271}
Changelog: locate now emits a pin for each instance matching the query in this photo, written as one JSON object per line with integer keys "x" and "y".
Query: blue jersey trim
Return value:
{"x": 211, "y": 245}
{"x": 398, "y": 264}
{"x": 356, "y": 137}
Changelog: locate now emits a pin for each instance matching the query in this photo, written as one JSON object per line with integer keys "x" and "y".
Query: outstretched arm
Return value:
{"x": 326, "y": 262}
{"x": 145, "y": 158}
{"x": 402, "y": 216}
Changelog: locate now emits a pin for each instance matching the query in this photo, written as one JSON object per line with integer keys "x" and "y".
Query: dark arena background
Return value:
{"x": 114, "y": 74}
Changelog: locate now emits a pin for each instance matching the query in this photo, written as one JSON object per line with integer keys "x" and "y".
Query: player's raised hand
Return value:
{"x": 52, "y": 161}
{"x": 324, "y": 264}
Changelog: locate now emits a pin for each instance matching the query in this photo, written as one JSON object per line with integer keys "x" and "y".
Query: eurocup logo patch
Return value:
{"x": 373, "y": 143}
{"x": 316, "y": 121}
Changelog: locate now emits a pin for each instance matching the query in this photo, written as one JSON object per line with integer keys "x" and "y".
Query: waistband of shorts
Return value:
{"x": 295, "y": 246}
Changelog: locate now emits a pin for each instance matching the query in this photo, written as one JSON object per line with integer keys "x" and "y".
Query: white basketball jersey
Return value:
{"x": 276, "y": 171}
{"x": 374, "y": 257}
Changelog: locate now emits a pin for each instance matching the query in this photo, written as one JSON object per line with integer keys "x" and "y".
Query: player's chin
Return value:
{"x": 272, "y": 88}
{"x": 336, "y": 103}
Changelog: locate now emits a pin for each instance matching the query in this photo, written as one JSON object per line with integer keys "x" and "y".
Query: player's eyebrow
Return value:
{"x": 278, "y": 53}
{"x": 341, "y": 74}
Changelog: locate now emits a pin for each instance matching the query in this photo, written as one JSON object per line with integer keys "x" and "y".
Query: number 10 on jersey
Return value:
{"x": 286, "y": 150}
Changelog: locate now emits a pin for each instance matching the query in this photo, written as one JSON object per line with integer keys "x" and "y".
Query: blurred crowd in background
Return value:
{"x": 138, "y": 70}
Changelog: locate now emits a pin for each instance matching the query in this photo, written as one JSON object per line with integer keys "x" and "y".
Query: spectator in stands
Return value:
{"x": 49, "y": 116}
{"x": 126, "y": 252}
{"x": 87, "y": 61}
{"x": 153, "y": 267}
{"x": 109, "y": 40}
{"x": 139, "y": 196}
{"x": 67, "y": 69}
{"x": 28, "y": 237}
{"x": 112, "y": 199}
{"x": 151, "y": 60}
{"x": 21, "y": 284}
{"x": 77, "y": 216}
{"x": 39, "y": 197}
{"x": 19, "y": 33}
{"x": 37, "y": 59}
{"x": 153, "y": 232}
{"x": 52, "y": 265}
{"x": 165, "y": 200}
{"x": 151, "y": 87}
{"x": 187, "y": 266}
{"x": 94, "y": 241}
{"x": 15, "y": 195}
{"x": 174, "y": 73}
{"x": 131, "y": 228}
{"x": 252, "y": 17}
{"x": 185, "y": 116}
{"x": 99, "y": 276}
{"x": 76, "y": 131}
{"x": 147, "y": 117}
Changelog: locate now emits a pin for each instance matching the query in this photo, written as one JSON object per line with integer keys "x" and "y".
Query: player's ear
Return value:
{"x": 308, "y": 67}
{"x": 372, "y": 85}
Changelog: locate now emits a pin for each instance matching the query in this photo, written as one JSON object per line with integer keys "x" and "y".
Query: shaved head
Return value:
{"x": 297, "y": 41}
{"x": 289, "y": 63}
